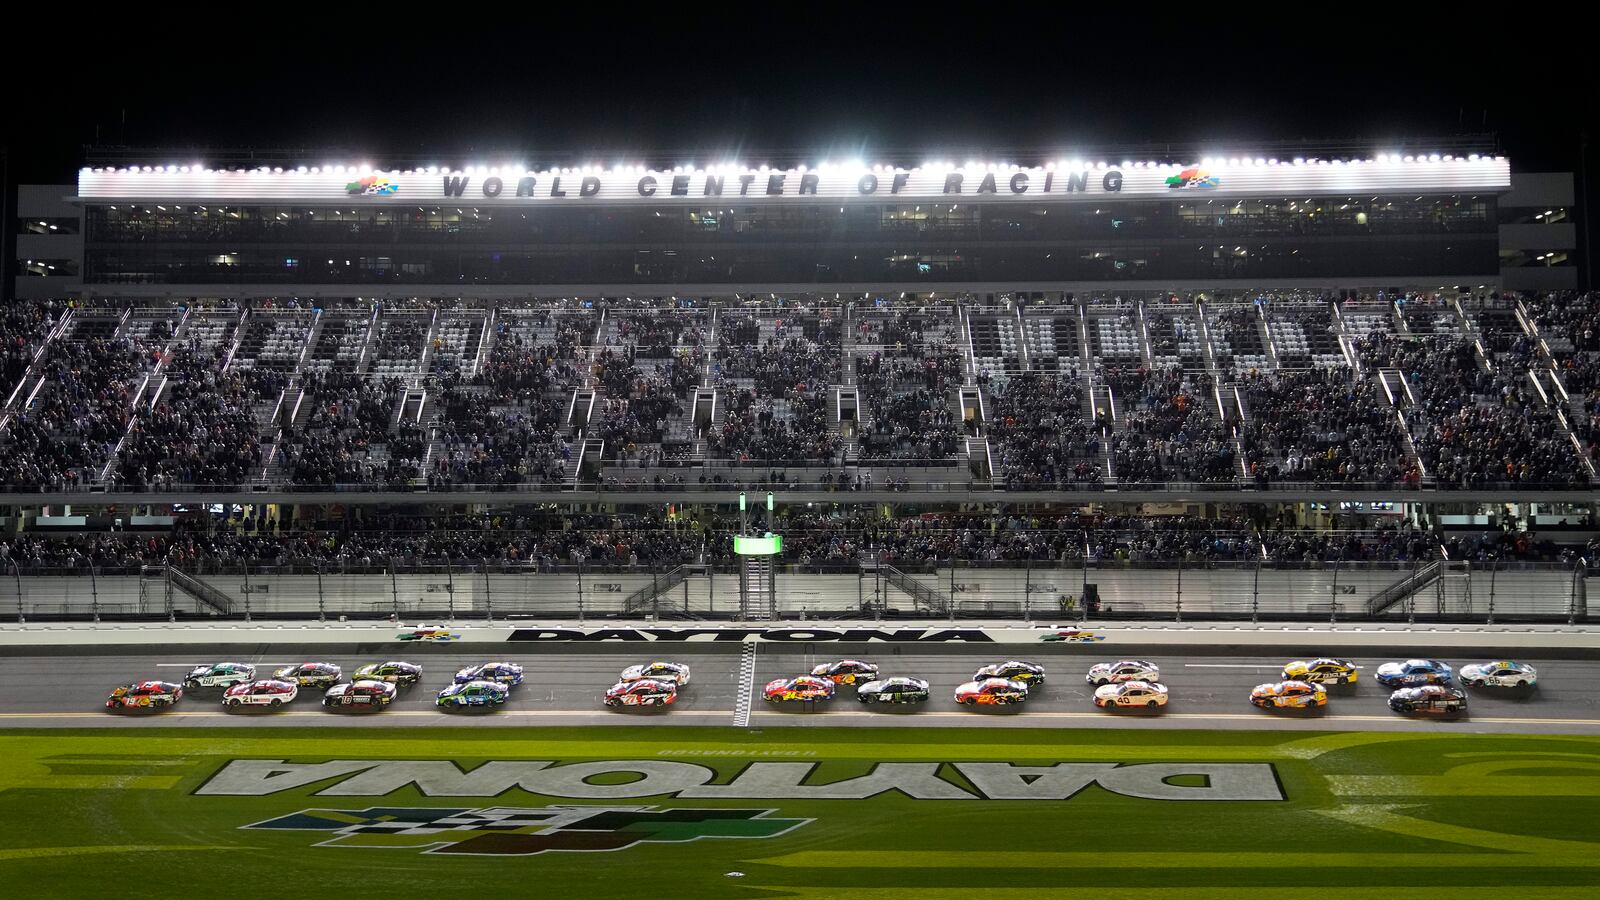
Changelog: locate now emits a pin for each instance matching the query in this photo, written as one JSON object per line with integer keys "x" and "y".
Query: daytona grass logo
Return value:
{"x": 511, "y": 831}
{"x": 612, "y": 780}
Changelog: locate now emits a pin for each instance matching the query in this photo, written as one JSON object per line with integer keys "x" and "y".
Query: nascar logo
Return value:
{"x": 511, "y": 831}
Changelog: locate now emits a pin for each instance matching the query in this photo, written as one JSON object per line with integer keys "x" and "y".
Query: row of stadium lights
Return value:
{"x": 1071, "y": 165}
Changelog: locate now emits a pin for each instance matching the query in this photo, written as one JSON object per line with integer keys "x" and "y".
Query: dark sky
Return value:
{"x": 848, "y": 83}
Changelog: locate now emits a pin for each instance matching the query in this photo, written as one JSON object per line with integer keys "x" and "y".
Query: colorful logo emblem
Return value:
{"x": 1073, "y": 636}
{"x": 372, "y": 184}
{"x": 429, "y": 634}
{"x": 508, "y": 831}
{"x": 1195, "y": 178}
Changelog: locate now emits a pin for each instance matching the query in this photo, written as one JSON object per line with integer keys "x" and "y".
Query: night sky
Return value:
{"x": 819, "y": 83}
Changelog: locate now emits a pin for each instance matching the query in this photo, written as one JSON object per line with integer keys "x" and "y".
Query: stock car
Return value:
{"x": 1289, "y": 695}
{"x": 1413, "y": 672}
{"x": 269, "y": 692}
{"x": 144, "y": 695}
{"x": 1432, "y": 699}
{"x": 804, "y": 688}
{"x": 846, "y": 671}
{"x": 677, "y": 673}
{"x": 361, "y": 695}
{"x": 643, "y": 692}
{"x": 1500, "y": 673}
{"x": 311, "y": 674}
{"x": 1322, "y": 670}
{"x": 1122, "y": 670}
{"x": 991, "y": 692}
{"x": 474, "y": 693}
{"x": 893, "y": 690}
{"x": 223, "y": 674}
{"x": 1147, "y": 694}
{"x": 1012, "y": 670}
{"x": 393, "y": 671}
{"x": 500, "y": 672}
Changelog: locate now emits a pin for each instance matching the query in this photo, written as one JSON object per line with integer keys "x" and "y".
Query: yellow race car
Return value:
{"x": 1322, "y": 670}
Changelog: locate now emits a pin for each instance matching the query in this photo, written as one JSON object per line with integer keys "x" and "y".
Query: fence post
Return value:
{"x": 1255, "y": 594}
{"x": 22, "y": 619}
{"x": 94, "y": 595}
{"x": 1494, "y": 567}
{"x": 166, "y": 590}
{"x": 488, "y": 599}
{"x": 1572, "y": 597}
{"x": 246, "y": 593}
{"x": 450, "y": 588}
{"x": 1411, "y": 593}
{"x": 1179, "y": 598}
{"x": 655, "y": 597}
{"x": 394, "y": 590}
{"x": 322, "y": 603}
{"x": 1333, "y": 595}
{"x": 1027, "y": 577}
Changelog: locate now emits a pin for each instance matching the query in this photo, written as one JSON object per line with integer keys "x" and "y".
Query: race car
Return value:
{"x": 225, "y": 674}
{"x": 144, "y": 695}
{"x": 1012, "y": 670}
{"x": 474, "y": 693}
{"x": 1289, "y": 695}
{"x": 1500, "y": 673}
{"x": 643, "y": 692}
{"x": 269, "y": 692}
{"x": 991, "y": 692}
{"x": 1147, "y": 694}
{"x": 1122, "y": 670}
{"x": 808, "y": 688}
{"x": 1431, "y": 699}
{"x": 500, "y": 672}
{"x": 1413, "y": 672}
{"x": 394, "y": 671}
{"x": 310, "y": 674}
{"x": 1322, "y": 670}
{"x": 677, "y": 673}
{"x": 361, "y": 695}
{"x": 893, "y": 690}
{"x": 846, "y": 671}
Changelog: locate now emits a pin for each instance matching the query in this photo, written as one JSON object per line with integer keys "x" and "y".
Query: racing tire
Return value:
{"x": 235, "y": 702}
{"x": 275, "y": 702}
{"x": 1150, "y": 704}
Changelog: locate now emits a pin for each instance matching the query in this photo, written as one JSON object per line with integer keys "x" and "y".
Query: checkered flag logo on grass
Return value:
{"x": 509, "y": 831}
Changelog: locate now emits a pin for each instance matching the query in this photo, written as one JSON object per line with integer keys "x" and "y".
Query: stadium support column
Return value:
{"x": 450, "y": 588}
{"x": 1178, "y": 598}
{"x": 1494, "y": 567}
{"x": 22, "y": 619}
{"x": 94, "y": 595}
{"x": 322, "y": 610}
{"x": 1333, "y": 596}
{"x": 1255, "y": 594}
{"x": 246, "y": 593}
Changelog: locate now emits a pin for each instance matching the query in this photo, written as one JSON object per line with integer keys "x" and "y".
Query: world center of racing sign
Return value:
{"x": 518, "y": 186}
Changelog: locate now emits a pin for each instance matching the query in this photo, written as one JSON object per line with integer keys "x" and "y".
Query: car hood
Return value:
{"x": 633, "y": 672}
{"x": 198, "y": 671}
{"x": 1391, "y": 668}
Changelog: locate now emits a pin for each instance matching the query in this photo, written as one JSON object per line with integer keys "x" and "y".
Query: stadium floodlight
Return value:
{"x": 769, "y": 501}
{"x": 741, "y": 501}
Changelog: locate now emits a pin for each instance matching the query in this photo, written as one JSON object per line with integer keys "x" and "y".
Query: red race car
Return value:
{"x": 991, "y": 691}
{"x": 805, "y": 688}
{"x": 642, "y": 692}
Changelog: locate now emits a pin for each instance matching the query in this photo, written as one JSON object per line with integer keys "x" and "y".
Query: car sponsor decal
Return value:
{"x": 429, "y": 634}
{"x": 1072, "y": 636}
{"x": 512, "y": 831}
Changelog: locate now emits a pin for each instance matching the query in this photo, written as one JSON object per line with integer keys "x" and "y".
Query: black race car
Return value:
{"x": 1013, "y": 670}
{"x": 399, "y": 673}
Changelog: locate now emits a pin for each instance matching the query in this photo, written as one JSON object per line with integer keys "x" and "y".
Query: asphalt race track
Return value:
{"x": 1207, "y": 691}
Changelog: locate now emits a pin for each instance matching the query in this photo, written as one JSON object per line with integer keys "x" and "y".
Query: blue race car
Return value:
{"x": 474, "y": 693}
{"x": 1413, "y": 672}
{"x": 499, "y": 672}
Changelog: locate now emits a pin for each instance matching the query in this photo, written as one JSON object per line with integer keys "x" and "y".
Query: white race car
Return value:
{"x": 1147, "y": 694}
{"x": 678, "y": 673}
{"x": 261, "y": 693}
{"x": 1500, "y": 673}
{"x": 224, "y": 674}
{"x": 1124, "y": 670}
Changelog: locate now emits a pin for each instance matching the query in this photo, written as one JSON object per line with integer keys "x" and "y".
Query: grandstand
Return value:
{"x": 1350, "y": 442}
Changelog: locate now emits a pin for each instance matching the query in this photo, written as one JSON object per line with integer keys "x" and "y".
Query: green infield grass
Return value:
{"x": 795, "y": 812}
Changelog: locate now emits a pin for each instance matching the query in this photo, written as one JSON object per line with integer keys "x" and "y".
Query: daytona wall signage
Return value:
{"x": 756, "y": 781}
{"x": 486, "y": 186}
{"x": 774, "y": 635}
